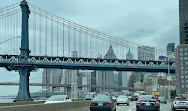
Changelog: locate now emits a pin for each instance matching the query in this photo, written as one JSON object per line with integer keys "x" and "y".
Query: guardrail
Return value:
{"x": 69, "y": 106}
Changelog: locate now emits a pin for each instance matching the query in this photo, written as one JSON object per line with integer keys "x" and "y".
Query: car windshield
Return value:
{"x": 147, "y": 97}
{"x": 181, "y": 99}
{"x": 57, "y": 98}
{"x": 122, "y": 97}
{"x": 102, "y": 98}
{"x": 161, "y": 98}
{"x": 89, "y": 96}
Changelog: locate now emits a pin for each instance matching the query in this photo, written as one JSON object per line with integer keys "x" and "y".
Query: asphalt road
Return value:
{"x": 132, "y": 107}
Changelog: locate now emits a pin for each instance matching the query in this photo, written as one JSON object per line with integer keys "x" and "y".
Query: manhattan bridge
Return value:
{"x": 32, "y": 38}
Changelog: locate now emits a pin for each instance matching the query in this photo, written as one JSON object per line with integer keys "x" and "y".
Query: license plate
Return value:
{"x": 100, "y": 104}
{"x": 147, "y": 104}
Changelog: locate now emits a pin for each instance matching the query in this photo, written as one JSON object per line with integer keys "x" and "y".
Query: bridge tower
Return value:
{"x": 24, "y": 71}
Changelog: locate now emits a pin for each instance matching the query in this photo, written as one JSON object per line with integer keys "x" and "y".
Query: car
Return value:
{"x": 122, "y": 100}
{"x": 102, "y": 103}
{"x": 114, "y": 97}
{"x": 58, "y": 99}
{"x": 89, "y": 97}
{"x": 134, "y": 98}
{"x": 147, "y": 103}
{"x": 162, "y": 100}
{"x": 179, "y": 103}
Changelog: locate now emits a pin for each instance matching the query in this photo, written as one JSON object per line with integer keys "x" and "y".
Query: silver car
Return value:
{"x": 122, "y": 100}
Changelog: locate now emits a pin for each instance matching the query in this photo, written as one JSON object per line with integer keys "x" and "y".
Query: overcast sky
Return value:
{"x": 149, "y": 22}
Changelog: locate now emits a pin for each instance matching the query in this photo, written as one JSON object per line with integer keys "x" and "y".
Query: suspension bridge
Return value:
{"x": 48, "y": 41}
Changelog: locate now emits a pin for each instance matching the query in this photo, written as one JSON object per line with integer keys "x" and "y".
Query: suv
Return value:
{"x": 179, "y": 103}
{"x": 147, "y": 102}
{"x": 162, "y": 100}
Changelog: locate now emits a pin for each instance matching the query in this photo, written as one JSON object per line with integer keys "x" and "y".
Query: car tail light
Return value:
{"x": 165, "y": 99}
{"x": 175, "y": 102}
{"x": 138, "y": 102}
{"x": 127, "y": 99}
{"x": 155, "y": 102}
{"x": 109, "y": 104}
{"x": 91, "y": 104}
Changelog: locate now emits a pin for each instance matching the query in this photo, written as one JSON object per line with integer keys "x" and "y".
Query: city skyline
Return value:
{"x": 93, "y": 26}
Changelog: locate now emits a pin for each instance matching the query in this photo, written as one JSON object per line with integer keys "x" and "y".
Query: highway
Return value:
{"x": 132, "y": 107}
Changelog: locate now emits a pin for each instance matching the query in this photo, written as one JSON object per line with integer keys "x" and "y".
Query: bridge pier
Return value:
{"x": 23, "y": 93}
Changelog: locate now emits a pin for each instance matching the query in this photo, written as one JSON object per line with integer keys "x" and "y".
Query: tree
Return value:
{"x": 173, "y": 94}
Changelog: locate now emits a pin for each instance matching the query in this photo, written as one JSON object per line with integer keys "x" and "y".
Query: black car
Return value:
{"x": 102, "y": 103}
{"x": 134, "y": 98}
{"x": 147, "y": 103}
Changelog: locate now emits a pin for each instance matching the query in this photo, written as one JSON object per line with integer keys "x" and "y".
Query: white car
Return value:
{"x": 179, "y": 103}
{"x": 58, "y": 99}
{"x": 122, "y": 100}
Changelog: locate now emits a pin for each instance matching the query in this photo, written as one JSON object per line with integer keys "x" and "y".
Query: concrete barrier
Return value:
{"x": 69, "y": 106}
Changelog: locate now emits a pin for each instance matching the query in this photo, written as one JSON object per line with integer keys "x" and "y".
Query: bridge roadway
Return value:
{"x": 69, "y": 85}
{"x": 12, "y": 62}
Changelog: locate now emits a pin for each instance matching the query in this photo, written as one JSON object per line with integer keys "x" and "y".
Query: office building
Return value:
{"x": 170, "y": 49}
{"x": 146, "y": 53}
{"x": 183, "y": 20}
{"x": 106, "y": 78}
{"x": 182, "y": 69}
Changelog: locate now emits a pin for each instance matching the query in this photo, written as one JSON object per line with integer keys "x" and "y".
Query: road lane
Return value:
{"x": 132, "y": 107}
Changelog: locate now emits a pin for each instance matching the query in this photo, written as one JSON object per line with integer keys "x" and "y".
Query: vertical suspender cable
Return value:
{"x": 40, "y": 35}
{"x": 1, "y": 30}
{"x": 51, "y": 37}
{"x": 17, "y": 34}
{"x": 8, "y": 33}
{"x": 57, "y": 39}
{"x": 63, "y": 40}
{"x": 69, "y": 40}
{"x": 86, "y": 42}
{"x": 46, "y": 48}
{"x": 75, "y": 38}
{"x": 90, "y": 47}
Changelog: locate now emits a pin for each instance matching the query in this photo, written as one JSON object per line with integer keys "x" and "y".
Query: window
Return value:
{"x": 186, "y": 76}
{"x": 186, "y": 72}
{"x": 181, "y": 49}
{"x": 182, "y": 81}
{"x": 181, "y": 54}
{"x": 186, "y": 86}
{"x": 182, "y": 86}
{"x": 182, "y": 72}
{"x": 185, "y": 53}
{"x": 185, "y": 58}
{"x": 186, "y": 62}
{"x": 182, "y": 77}
{"x": 186, "y": 81}
{"x": 185, "y": 49}
{"x": 181, "y": 58}
{"x": 181, "y": 67}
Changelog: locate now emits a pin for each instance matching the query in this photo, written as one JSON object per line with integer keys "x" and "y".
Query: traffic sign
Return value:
{"x": 169, "y": 77}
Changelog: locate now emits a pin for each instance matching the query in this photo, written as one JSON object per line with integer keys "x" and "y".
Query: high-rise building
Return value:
{"x": 146, "y": 53}
{"x": 183, "y": 20}
{"x": 51, "y": 76}
{"x": 106, "y": 78}
{"x": 129, "y": 55}
{"x": 170, "y": 49}
{"x": 182, "y": 69}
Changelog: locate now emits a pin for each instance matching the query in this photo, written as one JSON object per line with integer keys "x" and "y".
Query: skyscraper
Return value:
{"x": 129, "y": 55}
{"x": 146, "y": 53}
{"x": 183, "y": 20}
{"x": 170, "y": 48}
{"x": 106, "y": 78}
